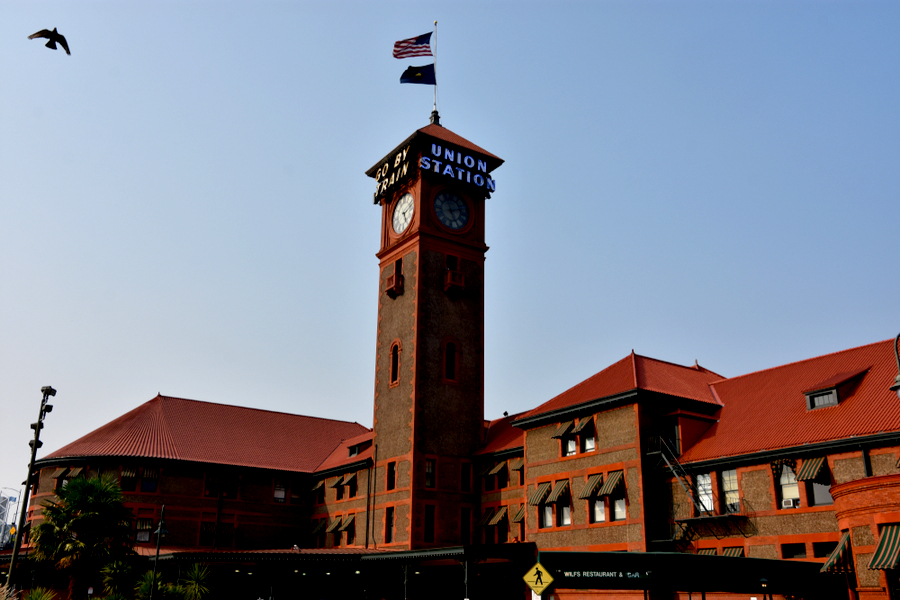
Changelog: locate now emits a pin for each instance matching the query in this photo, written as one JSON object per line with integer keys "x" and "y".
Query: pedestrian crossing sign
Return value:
{"x": 538, "y": 579}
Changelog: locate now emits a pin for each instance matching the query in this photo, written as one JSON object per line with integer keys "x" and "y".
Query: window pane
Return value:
{"x": 570, "y": 446}
{"x": 563, "y": 514}
{"x": 821, "y": 494}
{"x": 619, "y": 512}
{"x": 788, "y": 481}
{"x": 730, "y": 491}
{"x": 704, "y": 492}
{"x": 599, "y": 510}
{"x": 545, "y": 515}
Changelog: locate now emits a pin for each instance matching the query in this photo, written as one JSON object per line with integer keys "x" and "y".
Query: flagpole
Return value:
{"x": 435, "y": 66}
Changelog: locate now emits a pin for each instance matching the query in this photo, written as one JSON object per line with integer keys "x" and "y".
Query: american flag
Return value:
{"x": 417, "y": 46}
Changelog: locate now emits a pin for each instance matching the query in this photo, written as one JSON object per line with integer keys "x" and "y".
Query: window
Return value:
{"x": 817, "y": 478}
{"x": 489, "y": 480}
{"x": 730, "y": 495}
{"x": 207, "y": 533}
{"x": 395, "y": 364}
{"x": 704, "y": 492}
{"x": 220, "y": 485}
{"x": 150, "y": 480}
{"x": 586, "y": 434}
{"x": 351, "y": 534}
{"x": 558, "y": 502}
{"x": 819, "y": 494}
{"x": 450, "y": 361}
{"x": 619, "y": 510}
{"x": 429, "y": 522}
{"x": 338, "y": 490}
{"x": 319, "y": 492}
{"x": 351, "y": 486}
{"x": 280, "y": 493}
{"x": 143, "y": 529}
{"x": 588, "y": 441}
{"x": 598, "y": 509}
{"x": 389, "y": 525}
{"x": 822, "y": 398}
{"x": 563, "y": 515}
{"x": 394, "y": 283}
{"x": 545, "y": 516}
{"x": 793, "y": 551}
{"x": 570, "y": 445}
{"x": 823, "y": 549}
{"x": 128, "y": 479}
{"x": 391, "y": 475}
{"x": 429, "y": 472}
{"x": 789, "y": 490}
{"x": 465, "y": 477}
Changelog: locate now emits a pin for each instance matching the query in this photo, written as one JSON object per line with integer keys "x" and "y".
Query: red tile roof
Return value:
{"x": 501, "y": 435}
{"x": 441, "y": 133}
{"x": 635, "y": 372}
{"x": 176, "y": 428}
{"x": 341, "y": 455}
{"x": 767, "y": 410}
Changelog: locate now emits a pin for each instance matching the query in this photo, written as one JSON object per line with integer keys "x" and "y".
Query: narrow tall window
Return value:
{"x": 395, "y": 364}
{"x": 391, "y": 475}
{"x": 704, "y": 492}
{"x": 429, "y": 472}
{"x": 730, "y": 491}
{"x": 790, "y": 491}
{"x": 280, "y": 492}
{"x": 389, "y": 525}
{"x": 450, "y": 361}
{"x": 465, "y": 477}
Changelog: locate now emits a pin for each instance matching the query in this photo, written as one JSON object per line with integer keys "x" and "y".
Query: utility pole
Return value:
{"x": 47, "y": 391}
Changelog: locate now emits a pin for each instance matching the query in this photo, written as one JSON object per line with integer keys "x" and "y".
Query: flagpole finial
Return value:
{"x": 435, "y": 117}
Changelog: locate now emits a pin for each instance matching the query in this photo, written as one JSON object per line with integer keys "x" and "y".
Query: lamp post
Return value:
{"x": 896, "y": 386}
{"x": 47, "y": 391}
{"x": 160, "y": 531}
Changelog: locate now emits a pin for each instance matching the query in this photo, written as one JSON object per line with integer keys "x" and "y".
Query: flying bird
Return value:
{"x": 54, "y": 37}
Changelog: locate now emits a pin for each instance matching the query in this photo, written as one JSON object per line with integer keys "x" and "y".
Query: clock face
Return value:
{"x": 403, "y": 213}
{"x": 451, "y": 210}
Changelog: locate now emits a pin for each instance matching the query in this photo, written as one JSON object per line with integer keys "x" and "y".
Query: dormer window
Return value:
{"x": 353, "y": 450}
{"x": 820, "y": 399}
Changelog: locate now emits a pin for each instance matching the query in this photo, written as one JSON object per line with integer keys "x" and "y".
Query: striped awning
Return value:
{"x": 485, "y": 517}
{"x": 582, "y": 424}
{"x": 810, "y": 469}
{"x": 129, "y": 473}
{"x": 348, "y": 478}
{"x": 537, "y": 497}
{"x": 888, "y": 552}
{"x": 612, "y": 482}
{"x": 517, "y": 464}
{"x": 497, "y": 468}
{"x": 563, "y": 429}
{"x": 317, "y": 485}
{"x": 519, "y": 515}
{"x": 841, "y": 558}
{"x": 335, "y": 523}
{"x": 348, "y": 521}
{"x": 338, "y": 482}
{"x": 59, "y": 473}
{"x": 151, "y": 473}
{"x": 498, "y": 516}
{"x": 707, "y": 551}
{"x": 898, "y": 463}
{"x": 559, "y": 491}
{"x": 320, "y": 524}
{"x": 590, "y": 488}
{"x": 144, "y": 524}
{"x": 736, "y": 551}
{"x": 74, "y": 472}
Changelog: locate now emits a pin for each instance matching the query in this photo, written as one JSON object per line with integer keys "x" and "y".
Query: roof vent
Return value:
{"x": 435, "y": 117}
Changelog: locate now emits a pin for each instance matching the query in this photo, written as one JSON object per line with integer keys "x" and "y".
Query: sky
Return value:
{"x": 184, "y": 207}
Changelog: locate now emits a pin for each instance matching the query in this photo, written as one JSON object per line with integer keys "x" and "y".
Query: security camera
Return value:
{"x": 48, "y": 391}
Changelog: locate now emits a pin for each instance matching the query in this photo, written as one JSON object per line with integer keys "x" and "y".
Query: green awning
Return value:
{"x": 582, "y": 424}
{"x": 841, "y": 559}
{"x": 497, "y": 468}
{"x": 591, "y": 486}
{"x": 537, "y": 497}
{"x": 348, "y": 521}
{"x": 129, "y": 472}
{"x": 517, "y": 464}
{"x": 563, "y": 429}
{"x": 335, "y": 523}
{"x": 707, "y": 551}
{"x": 811, "y": 469}
{"x": 559, "y": 491}
{"x": 888, "y": 551}
{"x": 317, "y": 485}
{"x": 485, "y": 517}
{"x": 498, "y": 516}
{"x": 59, "y": 473}
{"x": 612, "y": 482}
{"x": 348, "y": 478}
{"x": 320, "y": 524}
{"x": 75, "y": 473}
{"x": 736, "y": 551}
{"x": 520, "y": 514}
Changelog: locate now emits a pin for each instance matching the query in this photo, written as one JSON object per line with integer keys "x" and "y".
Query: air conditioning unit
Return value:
{"x": 454, "y": 280}
{"x": 789, "y": 503}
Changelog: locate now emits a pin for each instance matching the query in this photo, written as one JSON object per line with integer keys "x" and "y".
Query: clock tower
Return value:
{"x": 429, "y": 365}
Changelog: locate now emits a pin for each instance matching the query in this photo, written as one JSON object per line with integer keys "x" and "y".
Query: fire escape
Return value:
{"x": 699, "y": 513}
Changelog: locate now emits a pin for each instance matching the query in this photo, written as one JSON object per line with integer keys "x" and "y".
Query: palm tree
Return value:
{"x": 193, "y": 583}
{"x": 85, "y": 529}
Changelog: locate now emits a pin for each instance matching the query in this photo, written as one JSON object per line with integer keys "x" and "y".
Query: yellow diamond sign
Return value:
{"x": 538, "y": 579}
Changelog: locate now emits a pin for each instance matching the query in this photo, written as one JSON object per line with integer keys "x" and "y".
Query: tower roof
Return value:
{"x": 176, "y": 428}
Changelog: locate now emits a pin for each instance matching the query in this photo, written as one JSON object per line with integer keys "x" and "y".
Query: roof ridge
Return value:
{"x": 805, "y": 360}
{"x": 265, "y": 410}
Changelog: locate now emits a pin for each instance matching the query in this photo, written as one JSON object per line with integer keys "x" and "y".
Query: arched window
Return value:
{"x": 395, "y": 363}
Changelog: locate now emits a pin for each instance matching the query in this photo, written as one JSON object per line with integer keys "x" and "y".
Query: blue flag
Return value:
{"x": 419, "y": 75}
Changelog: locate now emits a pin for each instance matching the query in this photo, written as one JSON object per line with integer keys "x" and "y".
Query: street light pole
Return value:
{"x": 47, "y": 391}
{"x": 159, "y": 533}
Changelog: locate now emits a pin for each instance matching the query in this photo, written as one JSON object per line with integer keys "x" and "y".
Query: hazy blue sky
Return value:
{"x": 184, "y": 210}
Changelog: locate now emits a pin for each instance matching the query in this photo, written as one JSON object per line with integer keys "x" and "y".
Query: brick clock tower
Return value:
{"x": 429, "y": 366}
